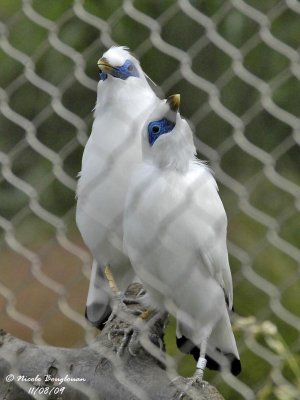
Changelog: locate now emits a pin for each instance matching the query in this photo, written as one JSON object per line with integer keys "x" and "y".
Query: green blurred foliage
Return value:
{"x": 210, "y": 62}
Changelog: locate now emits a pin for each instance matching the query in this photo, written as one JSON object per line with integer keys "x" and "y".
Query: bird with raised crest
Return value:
{"x": 175, "y": 229}
{"x": 113, "y": 148}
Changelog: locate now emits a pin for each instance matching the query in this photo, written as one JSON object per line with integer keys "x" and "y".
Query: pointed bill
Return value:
{"x": 174, "y": 102}
{"x": 104, "y": 65}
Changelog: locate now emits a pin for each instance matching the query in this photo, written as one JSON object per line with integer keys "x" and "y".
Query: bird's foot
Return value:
{"x": 129, "y": 334}
{"x": 128, "y": 317}
{"x": 187, "y": 388}
{"x": 123, "y": 305}
{"x": 138, "y": 330}
{"x": 125, "y": 334}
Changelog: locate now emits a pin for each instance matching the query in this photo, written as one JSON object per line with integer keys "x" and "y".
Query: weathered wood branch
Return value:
{"x": 94, "y": 372}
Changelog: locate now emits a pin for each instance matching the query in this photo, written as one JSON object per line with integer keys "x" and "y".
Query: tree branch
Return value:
{"x": 96, "y": 371}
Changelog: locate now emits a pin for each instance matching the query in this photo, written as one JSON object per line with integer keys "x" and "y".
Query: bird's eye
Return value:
{"x": 130, "y": 68}
{"x": 155, "y": 129}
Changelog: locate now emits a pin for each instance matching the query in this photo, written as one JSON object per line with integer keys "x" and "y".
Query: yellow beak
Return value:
{"x": 104, "y": 65}
{"x": 174, "y": 102}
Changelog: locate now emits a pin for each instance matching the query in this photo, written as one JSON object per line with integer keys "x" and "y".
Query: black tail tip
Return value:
{"x": 100, "y": 323}
{"x": 187, "y": 347}
{"x": 236, "y": 366}
{"x": 232, "y": 360}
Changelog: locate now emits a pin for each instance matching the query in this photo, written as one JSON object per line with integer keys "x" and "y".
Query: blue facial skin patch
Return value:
{"x": 158, "y": 128}
{"x": 103, "y": 76}
{"x": 125, "y": 71}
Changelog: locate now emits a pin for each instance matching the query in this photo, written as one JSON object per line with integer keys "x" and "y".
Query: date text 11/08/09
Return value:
{"x": 47, "y": 390}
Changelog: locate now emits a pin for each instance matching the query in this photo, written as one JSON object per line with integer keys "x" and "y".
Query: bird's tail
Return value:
{"x": 222, "y": 352}
{"x": 98, "y": 301}
{"x": 222, "y": 346}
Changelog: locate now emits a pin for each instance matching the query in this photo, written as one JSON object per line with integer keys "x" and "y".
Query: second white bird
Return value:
{"x": 175, "y": 235}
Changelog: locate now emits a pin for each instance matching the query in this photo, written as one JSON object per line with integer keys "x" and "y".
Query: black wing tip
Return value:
{"x": 187, "y": 347}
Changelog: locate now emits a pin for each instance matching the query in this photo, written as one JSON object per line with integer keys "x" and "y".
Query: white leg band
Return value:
{"x": 201, "y": 364}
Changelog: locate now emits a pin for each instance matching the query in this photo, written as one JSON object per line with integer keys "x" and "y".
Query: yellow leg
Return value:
{"x": 146, "y": 314}
{"x": 112, "y": 284}
{"x": 111, "y": 280}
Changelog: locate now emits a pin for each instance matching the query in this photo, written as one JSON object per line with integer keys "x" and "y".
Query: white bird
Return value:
{"x": 113, "y": 148}
{"x": 175, "y": 235}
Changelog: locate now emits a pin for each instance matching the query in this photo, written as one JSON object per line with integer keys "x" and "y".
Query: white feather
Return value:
{"x": 175, "y": 235}
{"x": 111, "y": 152}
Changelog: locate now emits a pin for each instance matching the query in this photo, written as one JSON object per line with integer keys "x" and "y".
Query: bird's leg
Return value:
{"x": 146, "y": 314}
{"x": 185, "y": 385}
{"x": 201, "y": 363}
{"x": 111, "y": 280}
{"x": 119, "y": 299}
{"x": 117, "y": 295}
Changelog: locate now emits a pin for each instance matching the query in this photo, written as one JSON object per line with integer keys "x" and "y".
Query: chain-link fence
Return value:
{"x": 236, "y": 65}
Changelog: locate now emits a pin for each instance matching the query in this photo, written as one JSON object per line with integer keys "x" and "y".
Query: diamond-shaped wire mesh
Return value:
{"x": 236, "y": 65}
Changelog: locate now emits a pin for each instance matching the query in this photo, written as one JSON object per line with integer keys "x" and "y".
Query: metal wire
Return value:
{"x": 24, "y": 142}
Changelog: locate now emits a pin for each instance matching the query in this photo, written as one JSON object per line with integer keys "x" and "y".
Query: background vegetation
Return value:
{"x": 256, "y": 161}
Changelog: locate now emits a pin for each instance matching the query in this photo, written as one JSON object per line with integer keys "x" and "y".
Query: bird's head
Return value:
{"x": 117, "y": 62}
{"x": 167, "y": 137}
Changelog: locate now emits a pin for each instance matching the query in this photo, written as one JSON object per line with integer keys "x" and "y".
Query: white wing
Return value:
{"x": 111, "y": 152}
{"x": 203, "y": 225}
